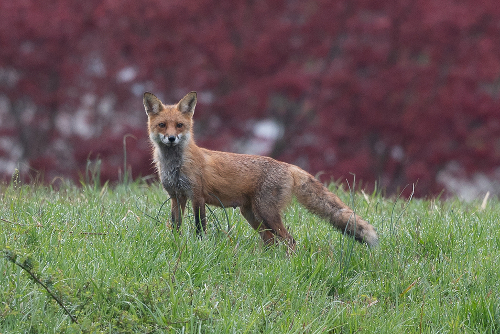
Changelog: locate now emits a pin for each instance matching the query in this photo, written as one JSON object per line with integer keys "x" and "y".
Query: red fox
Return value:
{"x": 260, "y": 186}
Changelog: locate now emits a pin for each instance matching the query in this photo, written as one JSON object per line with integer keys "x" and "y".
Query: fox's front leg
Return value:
{"x": 200, "y": 216}
{"x": 178, "y": 206}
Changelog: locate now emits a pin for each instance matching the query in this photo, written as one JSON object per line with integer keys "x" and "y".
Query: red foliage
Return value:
{"x": 389, "y": 91}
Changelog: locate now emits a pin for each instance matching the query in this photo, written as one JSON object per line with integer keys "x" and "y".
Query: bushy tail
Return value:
{"x": 317, "y": 199}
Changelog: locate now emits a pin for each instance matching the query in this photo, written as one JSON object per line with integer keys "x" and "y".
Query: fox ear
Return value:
{"x": 151, "y": 103}
{"x": 188, "y": 102}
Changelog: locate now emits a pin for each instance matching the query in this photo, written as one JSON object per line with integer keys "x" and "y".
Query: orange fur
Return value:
{"x": 260, "y": 186}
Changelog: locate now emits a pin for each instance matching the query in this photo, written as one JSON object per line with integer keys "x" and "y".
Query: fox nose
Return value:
{"x": 171, "y": 139}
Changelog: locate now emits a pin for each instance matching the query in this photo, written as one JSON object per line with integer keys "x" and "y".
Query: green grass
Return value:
{"x": 117, "y": 269}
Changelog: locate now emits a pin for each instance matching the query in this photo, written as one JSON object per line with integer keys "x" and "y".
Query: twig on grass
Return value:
{"x": 10, "y": 256}
{"x": 13, "y": 223}
{"x": 93, "y": 233}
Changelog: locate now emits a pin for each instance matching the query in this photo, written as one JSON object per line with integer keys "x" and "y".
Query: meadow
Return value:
{"x": 112, "y": 264}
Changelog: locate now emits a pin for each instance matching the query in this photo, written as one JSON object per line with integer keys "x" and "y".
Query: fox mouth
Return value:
{"x": 172, "y": 140}
{"x": 169, "y": 143}
{"x": 169, "y": 140}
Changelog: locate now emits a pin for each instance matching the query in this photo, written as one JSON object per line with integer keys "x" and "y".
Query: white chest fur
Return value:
{"x": 169, "y": 161}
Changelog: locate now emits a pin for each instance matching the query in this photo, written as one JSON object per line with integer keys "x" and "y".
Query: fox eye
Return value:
{"x": 179, "y": 125}
{"x": 162, "y": 125}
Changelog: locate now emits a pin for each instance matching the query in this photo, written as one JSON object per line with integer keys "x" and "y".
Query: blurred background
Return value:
{"x": 394, "y": 92}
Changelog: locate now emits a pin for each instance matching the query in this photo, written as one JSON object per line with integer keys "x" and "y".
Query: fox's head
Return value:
{"x": 170, "y": 125}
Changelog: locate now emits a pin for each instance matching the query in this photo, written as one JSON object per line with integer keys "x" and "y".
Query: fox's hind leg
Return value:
{"x": 273, "y": 221}
{"x": 260, "y": 227}
{"x": 269, "y": 225}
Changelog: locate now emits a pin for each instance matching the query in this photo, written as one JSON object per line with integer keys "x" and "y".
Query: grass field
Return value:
{"x": 106, "y": 255}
